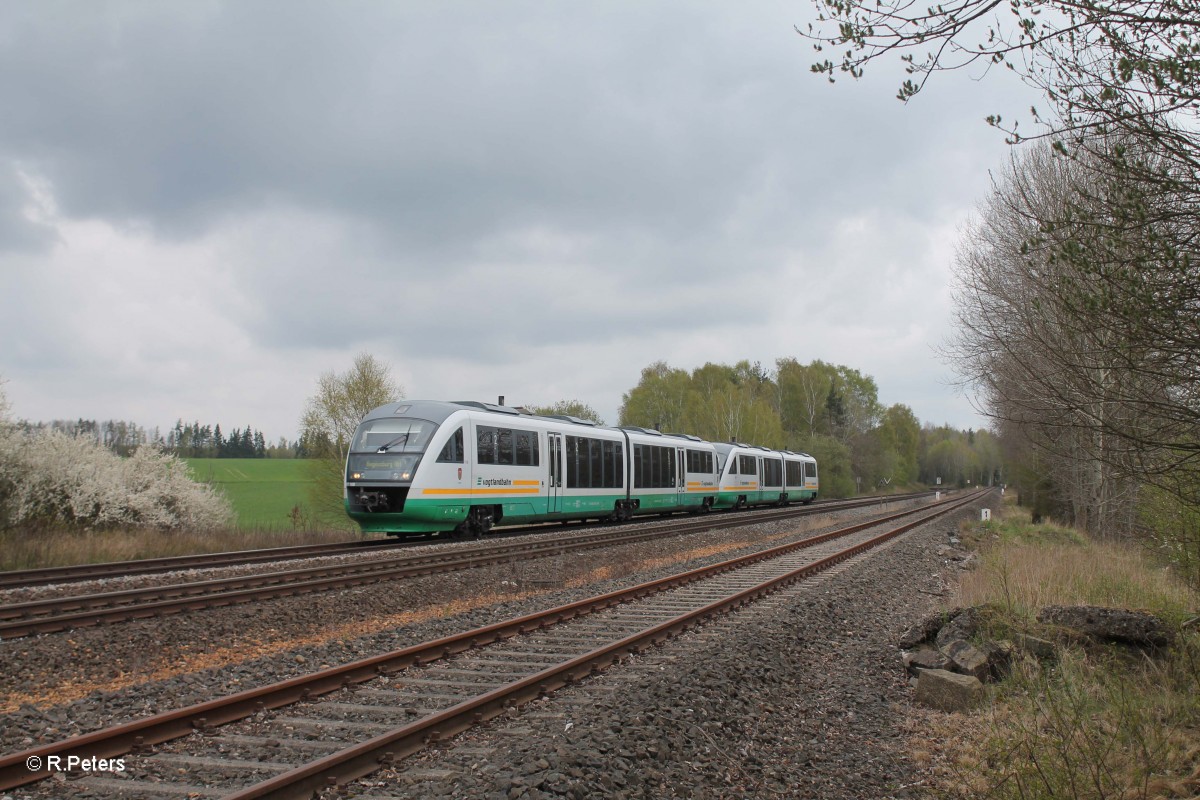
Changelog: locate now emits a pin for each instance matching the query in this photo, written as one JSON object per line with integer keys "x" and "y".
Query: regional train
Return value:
{"x": 431, "y": 467}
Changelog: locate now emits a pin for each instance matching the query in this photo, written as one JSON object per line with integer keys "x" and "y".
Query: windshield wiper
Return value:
{"x": 384, "y": 448}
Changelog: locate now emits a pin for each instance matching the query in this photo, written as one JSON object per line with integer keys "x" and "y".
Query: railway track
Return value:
{"x": 298, "y": 736}
{"x": 66, "y": 613}
{"x": 57, "y": 614}
{"x": 17, "y": 579}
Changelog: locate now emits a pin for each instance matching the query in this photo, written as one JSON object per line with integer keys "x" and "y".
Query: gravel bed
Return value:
{"x": 152, "y": 665}
{"x": 802, "y": 696}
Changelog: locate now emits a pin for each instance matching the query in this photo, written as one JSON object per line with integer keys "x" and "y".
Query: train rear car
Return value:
{"x": 800, "y": 477}
{"x": 750, "y": 475}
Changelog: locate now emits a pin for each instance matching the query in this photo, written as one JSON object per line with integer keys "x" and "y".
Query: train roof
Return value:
{"x": 575, "y": 420}
{"x": 636, "y": 429}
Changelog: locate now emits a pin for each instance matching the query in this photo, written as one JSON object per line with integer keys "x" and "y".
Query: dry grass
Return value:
{"x": 32, "y": 549}
{"x": 1022, "y": 578}
{"x": 1096, "y": 722}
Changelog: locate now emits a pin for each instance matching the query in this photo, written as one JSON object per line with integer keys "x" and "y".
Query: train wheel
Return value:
{"x": 480, "y": 520}
{"x": 621, "y": 513}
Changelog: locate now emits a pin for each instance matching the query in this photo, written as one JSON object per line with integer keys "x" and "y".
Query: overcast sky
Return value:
{"x": 205, "y": 205}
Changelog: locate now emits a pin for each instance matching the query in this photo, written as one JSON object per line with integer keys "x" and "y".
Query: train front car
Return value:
{"x": 398, "y": 450}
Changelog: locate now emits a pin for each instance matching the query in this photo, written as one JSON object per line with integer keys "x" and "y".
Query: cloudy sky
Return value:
{"x": 205, "y": 205}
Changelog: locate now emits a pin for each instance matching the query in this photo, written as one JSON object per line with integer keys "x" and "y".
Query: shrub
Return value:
{"x": 51, "y": 478}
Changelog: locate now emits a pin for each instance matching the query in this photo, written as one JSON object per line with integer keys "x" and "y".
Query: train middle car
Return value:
{"x": 427, "y": 466}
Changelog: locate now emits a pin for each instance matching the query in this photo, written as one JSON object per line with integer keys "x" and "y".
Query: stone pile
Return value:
{"x": 949, "y": 662}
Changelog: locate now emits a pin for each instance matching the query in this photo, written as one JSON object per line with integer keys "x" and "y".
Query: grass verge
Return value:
{"x": 1096, "y": 721}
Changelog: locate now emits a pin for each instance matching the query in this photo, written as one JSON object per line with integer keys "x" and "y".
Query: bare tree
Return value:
{"x": 1060, "y": 310}
{"x": 330, "y": 418}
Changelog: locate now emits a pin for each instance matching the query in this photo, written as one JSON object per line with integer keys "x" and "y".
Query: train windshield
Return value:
{"x": 393, "y": 435}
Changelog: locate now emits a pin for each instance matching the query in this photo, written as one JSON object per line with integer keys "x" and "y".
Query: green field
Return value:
{"x": 263, "y": 491}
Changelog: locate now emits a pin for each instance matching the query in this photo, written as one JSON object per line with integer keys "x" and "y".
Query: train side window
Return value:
{"x": 585, "y": 462}
{"x": 527, "y": 448}
{"x": 655, "y": 467}
{"x": 594, "y": 463}
{"x": 504, "y": 447}
{"x": 810, "y": 469}
{"x": 614, "y": 453}
{"x": 452, "y": 453}
{"x": 746, "y": 465}
{"x": 572, "y": 465}
{"x": 795, "y": 473}
{"x": 485, "y": 444}
{"x": 699, "y": 461}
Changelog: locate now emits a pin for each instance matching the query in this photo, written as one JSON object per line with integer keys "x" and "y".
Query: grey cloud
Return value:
{"x": 440, "y": 127}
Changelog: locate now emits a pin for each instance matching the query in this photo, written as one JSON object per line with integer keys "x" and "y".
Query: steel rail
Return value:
{"x": 121, "y": 739}
{"x": 58, "y": 614}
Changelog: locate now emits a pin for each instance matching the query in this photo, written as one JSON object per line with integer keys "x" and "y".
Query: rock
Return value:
{"x": 1038, "y": 648}
{"x": 948, "y": 691}
{"x": 999, "y": 657}
{"x": 963, "y": 625}
{"x": 1112, "y": 624}
{"x": 925, "y": 658}
{"x": 926, "y": 629}
{"x": 968, "y": 659}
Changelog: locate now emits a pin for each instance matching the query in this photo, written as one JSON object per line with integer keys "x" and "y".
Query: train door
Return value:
{"x": 554, "y": 482}
{"x": 681, "y": 476}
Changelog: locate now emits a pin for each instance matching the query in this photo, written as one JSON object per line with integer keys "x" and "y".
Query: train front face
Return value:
{"x": 385, "y": 460}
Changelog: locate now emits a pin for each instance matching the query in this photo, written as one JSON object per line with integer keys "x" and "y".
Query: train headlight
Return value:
{"x": 356, "y": 476}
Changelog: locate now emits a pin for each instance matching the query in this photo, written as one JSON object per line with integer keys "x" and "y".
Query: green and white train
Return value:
{"x": 462, "y": 467}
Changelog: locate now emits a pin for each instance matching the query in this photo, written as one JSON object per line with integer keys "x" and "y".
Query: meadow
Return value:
{"x": 265, "y": 492}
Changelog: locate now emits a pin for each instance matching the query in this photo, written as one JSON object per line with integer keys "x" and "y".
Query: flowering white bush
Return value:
{"x": 49, "y": 477}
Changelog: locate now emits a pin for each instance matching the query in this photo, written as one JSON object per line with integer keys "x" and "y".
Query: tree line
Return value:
{"x": 193, "y": 440}
{"x": 827, "y": 410}
{"x": 186, "y": 440}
